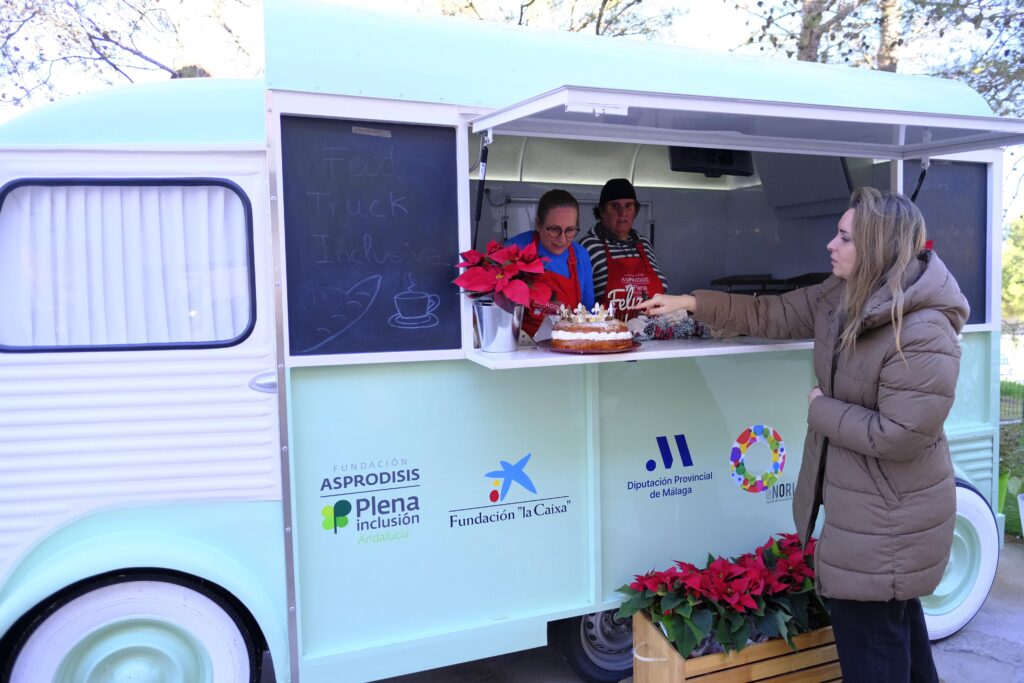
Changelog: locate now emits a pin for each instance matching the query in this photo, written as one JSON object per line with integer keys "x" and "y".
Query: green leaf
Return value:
{"x": 722, "y": 634}
{"x": 675, "y": 628}
{"x": 686, "y": 642}
{"x": 672, "y": 600}
{"x": 741, "y": 636}
{"x": 783, "y": 602}
{"x": 700, "y": 623}
{"x": 799, "y": 603}
{"x": 769, "y": 625}
{"x": 736, "y": 621}
{"x": 634, "y": 605}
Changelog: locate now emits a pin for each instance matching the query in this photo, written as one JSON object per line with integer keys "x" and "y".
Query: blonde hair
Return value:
{"x": 888, "y": 234}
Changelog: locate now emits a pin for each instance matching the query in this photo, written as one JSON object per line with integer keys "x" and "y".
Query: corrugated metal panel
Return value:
{"x": 108, "y": 433}
{"x": 974, "y": 455}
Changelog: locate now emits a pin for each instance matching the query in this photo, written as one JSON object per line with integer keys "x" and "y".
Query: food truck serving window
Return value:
{"x": 124, "y": 264}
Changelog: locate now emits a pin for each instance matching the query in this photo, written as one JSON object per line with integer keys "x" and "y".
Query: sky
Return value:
{"x": 705, "y": 24}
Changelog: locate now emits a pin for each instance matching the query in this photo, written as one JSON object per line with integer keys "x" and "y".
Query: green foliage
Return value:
{"x": 1011, "y": 401}
{"x": 1011, "y": 461}
{"x": 980, "y": 42}
{"x": 1011, "y": 446}
{"x": 1013, "y": 272}
{"x": 1012, "y": 512}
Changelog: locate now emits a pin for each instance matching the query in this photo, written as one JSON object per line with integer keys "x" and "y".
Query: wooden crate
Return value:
{"x": 656, "y": 661}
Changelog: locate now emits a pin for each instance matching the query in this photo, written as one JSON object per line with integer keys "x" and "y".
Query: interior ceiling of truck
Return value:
{"x": 586, "y": 162}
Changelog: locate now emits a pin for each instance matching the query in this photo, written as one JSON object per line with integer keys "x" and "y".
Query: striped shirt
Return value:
{"x": 618, "y": 249}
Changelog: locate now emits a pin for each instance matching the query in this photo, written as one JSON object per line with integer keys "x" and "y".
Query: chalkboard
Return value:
{"x": 953, "y": 201}
{"x": 371, "y": 236}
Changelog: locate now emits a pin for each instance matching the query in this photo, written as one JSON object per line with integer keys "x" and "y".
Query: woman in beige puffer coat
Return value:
{"x": 886, "y": 358}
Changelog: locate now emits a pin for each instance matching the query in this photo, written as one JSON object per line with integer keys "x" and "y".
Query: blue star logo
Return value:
{"x": 513, "y": 473}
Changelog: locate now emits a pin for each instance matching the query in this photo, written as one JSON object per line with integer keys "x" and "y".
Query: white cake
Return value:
{"x": 594, "y": 331}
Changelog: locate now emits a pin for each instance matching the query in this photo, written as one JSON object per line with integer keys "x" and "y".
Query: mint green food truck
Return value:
{"x": 246, "y": 431}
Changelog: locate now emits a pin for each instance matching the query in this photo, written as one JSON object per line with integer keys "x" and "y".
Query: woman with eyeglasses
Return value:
{"x": 567, "y": 269}
{"x": 625, "y": 269}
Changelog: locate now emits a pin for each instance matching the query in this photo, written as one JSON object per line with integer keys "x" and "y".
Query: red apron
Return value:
{"x": 565, "y": 289}
{"x": 630, "y": 281}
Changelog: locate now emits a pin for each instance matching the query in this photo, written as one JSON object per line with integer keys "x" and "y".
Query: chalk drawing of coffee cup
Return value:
{"x": 415, "y": 310}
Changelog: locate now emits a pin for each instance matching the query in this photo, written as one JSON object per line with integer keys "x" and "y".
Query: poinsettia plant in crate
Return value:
{"x": 768, "y": 593}
{"x": 505, "y": 274}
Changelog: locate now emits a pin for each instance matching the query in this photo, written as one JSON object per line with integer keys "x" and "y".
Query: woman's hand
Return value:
{"x": 663, "y": 304}
{"x": 814, "y": 393}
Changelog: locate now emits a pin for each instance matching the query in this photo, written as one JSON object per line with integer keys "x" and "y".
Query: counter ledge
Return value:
{"x": 534, "y": 357}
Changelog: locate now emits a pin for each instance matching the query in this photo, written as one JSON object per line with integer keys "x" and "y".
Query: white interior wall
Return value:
{"x": 699, "y": 235}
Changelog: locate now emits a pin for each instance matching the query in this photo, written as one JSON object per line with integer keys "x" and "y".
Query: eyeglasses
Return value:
{"x": 554, "y": 231}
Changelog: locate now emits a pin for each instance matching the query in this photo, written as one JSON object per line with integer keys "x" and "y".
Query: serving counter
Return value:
{"x": 537, "y": 357}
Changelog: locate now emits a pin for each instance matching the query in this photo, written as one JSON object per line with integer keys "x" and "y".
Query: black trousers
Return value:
{"x": 882, "y": 642}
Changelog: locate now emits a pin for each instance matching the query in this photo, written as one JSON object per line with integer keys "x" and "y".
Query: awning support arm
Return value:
{"x": 486, "y": 139}
{"x": 925, "y": 163}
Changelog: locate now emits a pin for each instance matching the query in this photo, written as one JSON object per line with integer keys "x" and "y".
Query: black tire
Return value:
{"x": 598, "y": 647}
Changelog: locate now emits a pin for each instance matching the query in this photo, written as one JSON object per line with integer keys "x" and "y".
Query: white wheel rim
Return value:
{"x": 142, "y": 631}
{"x": 971, "y": 568}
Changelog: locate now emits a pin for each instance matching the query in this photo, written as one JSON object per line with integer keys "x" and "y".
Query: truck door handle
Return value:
{"x": 265, "y": 382}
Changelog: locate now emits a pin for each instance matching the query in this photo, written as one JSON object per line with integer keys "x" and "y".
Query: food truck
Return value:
{"x": 246, "y": 432}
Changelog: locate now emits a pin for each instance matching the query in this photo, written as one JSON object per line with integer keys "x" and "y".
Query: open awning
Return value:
{"x": 586, "y": 113}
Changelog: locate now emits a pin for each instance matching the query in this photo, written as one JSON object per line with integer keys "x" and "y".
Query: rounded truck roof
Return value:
{"x": 325, "y": 48}
{"x": 315, "y": 46}
{"x": 184, "y": 111}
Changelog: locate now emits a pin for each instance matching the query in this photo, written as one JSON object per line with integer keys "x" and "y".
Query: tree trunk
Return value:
{"x": 889, "y": 34}
{"x": 809, "y": 43}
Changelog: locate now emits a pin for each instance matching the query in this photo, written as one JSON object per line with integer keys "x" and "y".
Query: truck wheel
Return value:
{"x": 598, "y": 647}
{"x": 146, "y": 631}
{"x": 971, "y": 569}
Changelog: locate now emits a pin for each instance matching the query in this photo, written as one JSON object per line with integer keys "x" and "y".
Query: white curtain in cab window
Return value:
{"x": 100, "y": 265}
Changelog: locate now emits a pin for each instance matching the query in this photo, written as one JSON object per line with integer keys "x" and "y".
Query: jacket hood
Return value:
{"x": 929, "y": 285}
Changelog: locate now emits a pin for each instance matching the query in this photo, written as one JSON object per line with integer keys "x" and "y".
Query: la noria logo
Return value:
{"x": 507, "y": 475}
{"x": 336, "y": 516}
{"x": 746, "y": 479}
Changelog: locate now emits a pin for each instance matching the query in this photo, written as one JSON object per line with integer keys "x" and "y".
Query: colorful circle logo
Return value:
{"x": 738, "y": 461}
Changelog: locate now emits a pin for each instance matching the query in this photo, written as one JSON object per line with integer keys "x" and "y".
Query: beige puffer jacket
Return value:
{"x": 875, "y": 453}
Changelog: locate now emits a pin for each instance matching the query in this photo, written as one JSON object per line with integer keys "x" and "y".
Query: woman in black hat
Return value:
{"x": 625, "y": 269}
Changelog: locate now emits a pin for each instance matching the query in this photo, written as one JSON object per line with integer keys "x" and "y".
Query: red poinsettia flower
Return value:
{"x": 506, "y": 273}
{"x": 653, "y": 581}
{"x": 760, "y": 589}
{"x": 792, "y": 568}
{"x": 756, "y": 573}
{"x": 530, "y": 261}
